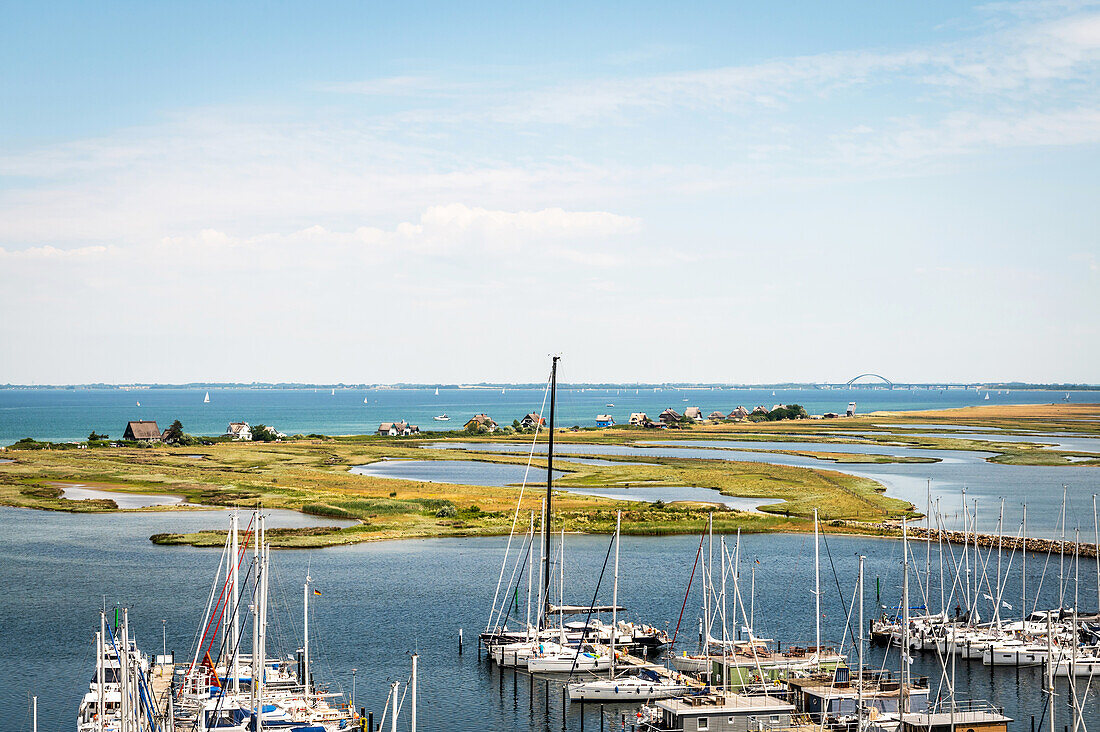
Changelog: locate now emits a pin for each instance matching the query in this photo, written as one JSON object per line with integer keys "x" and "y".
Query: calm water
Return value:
{"x": 381, "y": 601}
{"x": 70, "y": 414}
{"x": 1039, "y": 486}
{"x": 473, "y": 472}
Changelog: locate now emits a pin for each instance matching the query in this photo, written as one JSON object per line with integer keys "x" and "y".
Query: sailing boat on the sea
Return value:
{"x": 437, "y": 391}
{"x": 206, "y": 399}
{"x": 364, "y": 400}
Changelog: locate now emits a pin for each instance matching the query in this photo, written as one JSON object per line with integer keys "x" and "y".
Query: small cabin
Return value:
{"x": 639, "y": 419}
{"x": 694, "y": 413}
{"x": 397, "y": 429}
{"x": 670, "y": 416}
{"x": 605, "y": 420}
{"x": 530, "y": 421}
{"x": 716, "y": 416}
{"x": 480, "y": 420}
{"x": 738, "y": 414}
{"x": 723, "y": 713}
{"x": 142, "y": 431}
{"x": 239, "y": 431}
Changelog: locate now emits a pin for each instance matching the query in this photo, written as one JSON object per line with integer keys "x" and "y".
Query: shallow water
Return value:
{"x": 459, "y": 472}
{"x": 1039, "y": 486}
{"x": 381, "y": 601}
{"x": 123, "y": 500}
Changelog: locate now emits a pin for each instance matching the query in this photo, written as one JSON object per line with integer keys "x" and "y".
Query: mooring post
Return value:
{"x": 460, "y": 642}
{"x": 601, "y": 718}
{"x": 563, "y": 708}
{"x": 370, "y": 721}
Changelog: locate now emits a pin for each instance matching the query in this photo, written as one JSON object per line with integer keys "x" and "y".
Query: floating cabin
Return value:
{"x": 722, "y": 713}
{"x": 828, "y": 699}
{"x": 978, "y": 717}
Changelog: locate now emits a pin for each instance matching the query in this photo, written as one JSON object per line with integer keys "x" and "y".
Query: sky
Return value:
{"x": 448, "y": 192}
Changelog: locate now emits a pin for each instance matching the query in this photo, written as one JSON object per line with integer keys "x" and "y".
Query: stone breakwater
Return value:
{"x": 1007, "y": 543}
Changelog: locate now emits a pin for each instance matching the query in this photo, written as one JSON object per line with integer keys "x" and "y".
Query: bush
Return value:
{"x": 447, "y": 512}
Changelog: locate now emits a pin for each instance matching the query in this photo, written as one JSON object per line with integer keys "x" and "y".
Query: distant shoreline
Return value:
{"x": 915, "y": 386}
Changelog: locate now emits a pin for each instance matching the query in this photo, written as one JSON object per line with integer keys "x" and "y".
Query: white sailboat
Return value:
{"x": 206, "y": 399}
{"x": 139, "y": 404}
{"x": 364, "y": 400}
{"x": 333, "y": 392}
{"x": 437, "y": 391}
{"x": 646, "y": 685}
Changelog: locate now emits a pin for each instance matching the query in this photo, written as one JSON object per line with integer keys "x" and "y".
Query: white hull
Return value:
{"x": 568, "y": 663}
{"x": 625, "y": 690}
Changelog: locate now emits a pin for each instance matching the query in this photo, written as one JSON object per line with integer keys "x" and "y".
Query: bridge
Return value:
{"x": 882, "y": 379}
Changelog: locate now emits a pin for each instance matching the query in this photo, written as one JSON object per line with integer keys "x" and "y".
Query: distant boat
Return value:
{"x": 987, "y": 395}
{"x": 139, "y": 404}
{"x": 437, "y": 391}
{"x": 1066, "y": 397}
{"x": 206, "y": 399}
{"x": 364, "y": 400}
{"x": 685, "y": 400}
{"x": 442, "y": 418}
{"x": 773, "y": 393}
{"x": 502, "y": 391}
{"x": 609, "y": 404}
{"x": 334, "y": 392}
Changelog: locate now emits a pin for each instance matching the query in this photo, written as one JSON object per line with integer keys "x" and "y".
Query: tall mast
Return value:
{"x": 1096, "y": 543}
{"x": 859, "y": 682}
{"x": 1023, "y": 569}
{"x": 817, "y": 593}
{"x": 1062, "y": 556}
{"x": 101, "y": 648}
{"x": 928, "y": 548}
{"x": 544, "y": 618}
{"x": 549, "y": 484}
{"x": 305, "y": 637}
{"x": 615, "y": 593}
{"x": 254, "y": 697}
{"x": 124, "y": 668}
{"x": 736, "y": 588}
{"x": 412, "y": 684}
{"x": 530, "y": 573}
{"x": 234, "y": 591}
{"x": 904, "y": 617}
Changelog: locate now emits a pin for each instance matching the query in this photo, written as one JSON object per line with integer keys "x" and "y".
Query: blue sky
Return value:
{"x": 435, "y": 191}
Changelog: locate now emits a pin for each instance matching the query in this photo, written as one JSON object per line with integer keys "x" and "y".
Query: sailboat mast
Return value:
{"x": 1023, "y": 569}
{"x": 305, "y": 637}
{"x": 255, "y": 608}
{"x": 235, "y": 628}
{"x": 904, "y": 617}
{"x": 101, "y": 645}
{"x": 859, "y": 682}
{"x": 549, "y": 484}
{"x": 615, "y": 593}
{"x": 817, "y": 593}
{"x": 530, "y": 572}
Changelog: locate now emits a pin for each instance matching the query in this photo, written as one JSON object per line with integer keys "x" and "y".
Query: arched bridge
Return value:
{"x": 883, "y": 379}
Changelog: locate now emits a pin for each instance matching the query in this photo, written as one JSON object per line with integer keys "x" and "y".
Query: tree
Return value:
{"x": 174, "y": 433}
{"x": 95, "y": 437}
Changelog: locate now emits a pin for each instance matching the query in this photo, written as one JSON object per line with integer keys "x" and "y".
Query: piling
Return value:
{"x": 460, "y": 641}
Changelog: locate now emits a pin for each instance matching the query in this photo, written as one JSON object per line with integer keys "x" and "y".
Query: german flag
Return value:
{"x": 317, "y": 592}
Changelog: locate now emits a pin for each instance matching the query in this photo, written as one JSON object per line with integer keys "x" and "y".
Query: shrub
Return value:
{"x": 447, "y": 512}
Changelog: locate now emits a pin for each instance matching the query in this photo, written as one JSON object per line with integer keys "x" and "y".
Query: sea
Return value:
{"x": 65, "y": 414}
{"x": 384, "y": 601}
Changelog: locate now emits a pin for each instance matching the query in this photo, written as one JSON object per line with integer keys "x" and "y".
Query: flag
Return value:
{"x": 317, "y": 592}
{"x": 1006, "y": 604}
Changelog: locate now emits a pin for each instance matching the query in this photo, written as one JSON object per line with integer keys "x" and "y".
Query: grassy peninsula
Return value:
{"x": 312, "y": 476}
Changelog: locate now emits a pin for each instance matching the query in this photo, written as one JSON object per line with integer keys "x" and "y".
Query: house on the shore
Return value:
{"x": 397, "y": 429}
{"x": 142, "y": 431}
{"x": 760, "y": 410}
{"x": 605, "y": 420}
{"x": 694, "y": 413}
{"x": 480, "y": 420}
{"x": 239, "y": 431}
{"x": 739, "y": 413}
{"x": 716, "y": 416}
{"x": 670, "y": 416}
{"x": 639, "y": 419}
{"x": 530, "y": 421}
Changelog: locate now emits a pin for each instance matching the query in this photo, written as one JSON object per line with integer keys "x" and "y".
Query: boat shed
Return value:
{"x": 723, "y": 713}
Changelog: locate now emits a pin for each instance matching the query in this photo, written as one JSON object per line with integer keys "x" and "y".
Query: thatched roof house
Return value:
{"x": 142, "y": 431}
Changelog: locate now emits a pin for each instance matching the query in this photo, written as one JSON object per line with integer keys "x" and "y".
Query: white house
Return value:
{"x": 239, "y": 431}
{"x": 639, "y": 419}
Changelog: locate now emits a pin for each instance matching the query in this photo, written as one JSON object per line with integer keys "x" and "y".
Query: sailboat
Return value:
{"x": 987, "y": 396}
{"x": 502, "y": 391}
{"x": 364, "y": 400}
{"x": 645, "y": 685}
{"x": 206, "y": 399}
{"x": 437, "y": 391}
{"x": 139, "y": 404}
{"x": 334, "y": 392}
